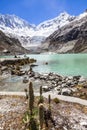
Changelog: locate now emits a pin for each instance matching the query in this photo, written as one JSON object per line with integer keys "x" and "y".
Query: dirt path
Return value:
{"x": 53, "y": 95}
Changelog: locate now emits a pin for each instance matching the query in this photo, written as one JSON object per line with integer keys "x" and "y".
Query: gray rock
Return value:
{"x": 45, "y": 88}
{"x": 66, "y": 92}
{"x": 82, "y": 79}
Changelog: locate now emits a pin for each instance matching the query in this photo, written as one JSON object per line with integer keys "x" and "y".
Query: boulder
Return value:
{"x": 25, "y": 80}
{"x": 45, "y": 88}
{"x": 82, "y": 79}
{"x": 66, "y": 92}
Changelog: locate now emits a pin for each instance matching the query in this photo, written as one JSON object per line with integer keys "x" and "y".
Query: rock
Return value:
{"x": 53, "y": 82}
{"x": 20, "y": 73}
{"x": 60, "y": 79}
{"x": 4, "y": 68}
{"x": 51, "y": 78}
{"x": 66, "y": 92}
{"x": 43, "y": 77}
{"x": 75, "y": 82}
{"x": 85, "y": 86}
{"x": 25, "y": 80}
{"x": 82, "y": 79}
{"x": 45, "y": 88}
{"x": 37, "y": 75}
{"x": 33, "y": 65}
{"x": 46, "y": 63}
{"x": 63, "y": 85}
{"x": 76, "y": 77}
{"x": 70, "y": 78}
{"x": 68, "y": 83}
{"x": 59, "y": 83}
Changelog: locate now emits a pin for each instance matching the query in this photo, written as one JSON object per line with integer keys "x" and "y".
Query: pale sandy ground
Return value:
{"x": 53, "y": 95}
{"x": 69, "y": 115}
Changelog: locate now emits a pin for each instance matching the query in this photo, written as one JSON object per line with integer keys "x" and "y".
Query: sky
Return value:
{"x": 37, "y": 11}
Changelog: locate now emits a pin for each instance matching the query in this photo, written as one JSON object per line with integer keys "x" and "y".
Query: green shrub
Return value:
{"x": 56, "y": 100}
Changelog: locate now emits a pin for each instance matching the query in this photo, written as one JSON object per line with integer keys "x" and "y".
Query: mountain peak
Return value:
{"x": 63, "y": 14}
{"x": 13, "y": 21}
{"x": 59, "y": 21}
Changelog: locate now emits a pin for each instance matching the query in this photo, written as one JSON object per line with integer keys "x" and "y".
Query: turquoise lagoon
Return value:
{"x": 63, "y": 64}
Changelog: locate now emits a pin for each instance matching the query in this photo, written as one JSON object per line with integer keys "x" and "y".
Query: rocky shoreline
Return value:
{"x": 63, "y": 85}
{"x": 16, "y": 61}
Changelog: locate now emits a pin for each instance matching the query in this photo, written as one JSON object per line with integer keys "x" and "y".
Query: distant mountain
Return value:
{"x": 71, "y": 38}
{"x": 63, "y": 34}
{"x": 29, "y": 34}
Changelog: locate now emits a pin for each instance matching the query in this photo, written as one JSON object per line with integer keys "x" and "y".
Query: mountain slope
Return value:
{"x": 69, "y": 38}
{"x": 10, "y": 45}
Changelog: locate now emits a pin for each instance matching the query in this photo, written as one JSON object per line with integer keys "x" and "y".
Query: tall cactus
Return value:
{"x": 41, "y": 115}
{"x": 33, "y": 124}
{"x": 49, "y": 101}
{"x": 40, "y": 90}
{"x": 41, "y": 100}
{"x": 31, "y": 98}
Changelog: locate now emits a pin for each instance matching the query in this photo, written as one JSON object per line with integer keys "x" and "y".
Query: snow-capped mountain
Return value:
{"x": 27, "y": 34}
{"x": 49, "y": 26}
{"x": 13, "y": 21}
{"x": 71, "y": 38}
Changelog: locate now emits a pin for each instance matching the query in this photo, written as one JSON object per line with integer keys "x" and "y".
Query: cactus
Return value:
{"x": 40, "y": 90}
{"x": 31, "y": 98}
{"x": 49, "y": 101}
{"x": 48, "y": 117}
{"x": 41, "y": 115}
{"x": 44, "y": 114}
{"x": 33, "y": 124}
{"x": 41, "y": 100}
{"x": 30, "y": 122}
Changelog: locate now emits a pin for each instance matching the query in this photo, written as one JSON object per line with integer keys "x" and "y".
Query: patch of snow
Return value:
{"x": 82, "y": 15}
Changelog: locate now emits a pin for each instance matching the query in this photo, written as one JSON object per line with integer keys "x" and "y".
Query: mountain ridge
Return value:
{"x": 13, "y": 26}
{"x": 70, "y": 38}
{"x": 50, "y": 35}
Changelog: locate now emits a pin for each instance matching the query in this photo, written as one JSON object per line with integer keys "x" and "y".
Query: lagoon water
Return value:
{"x": 63, "y": 64}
